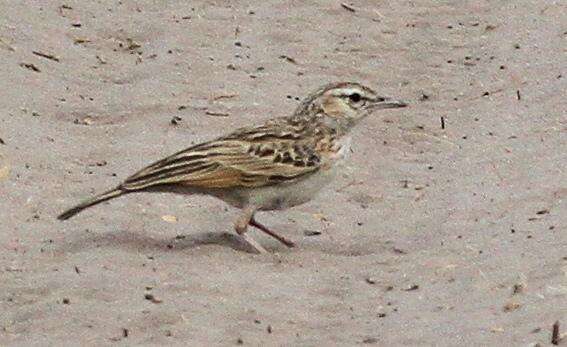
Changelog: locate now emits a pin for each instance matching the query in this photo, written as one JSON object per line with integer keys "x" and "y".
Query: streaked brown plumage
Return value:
{"x": 277, "y": 165}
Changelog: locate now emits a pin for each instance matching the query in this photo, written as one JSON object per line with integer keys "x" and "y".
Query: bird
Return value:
{"x": 279, "y": 164}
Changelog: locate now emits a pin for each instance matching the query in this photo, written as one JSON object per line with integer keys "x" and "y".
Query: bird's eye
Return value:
{"x": 355, "y": 97}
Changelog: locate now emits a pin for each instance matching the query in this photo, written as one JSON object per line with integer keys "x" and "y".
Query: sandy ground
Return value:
{"x": 454, "y": 236}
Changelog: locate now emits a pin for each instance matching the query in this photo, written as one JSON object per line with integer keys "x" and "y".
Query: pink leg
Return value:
{"x": 280, "y": 238}
{"x": 241, "y": 227}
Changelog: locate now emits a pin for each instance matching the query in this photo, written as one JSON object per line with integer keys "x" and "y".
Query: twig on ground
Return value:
{"x": 348, "y": 7}
{"x": 45, "y": 55}
{"x": 555, "y": 337}
{"x": 216, "y": 114}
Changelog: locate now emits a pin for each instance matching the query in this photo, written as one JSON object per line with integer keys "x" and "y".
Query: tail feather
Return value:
{"x": 91, "y": 202}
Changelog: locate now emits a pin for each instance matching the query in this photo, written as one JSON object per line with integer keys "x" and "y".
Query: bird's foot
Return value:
{"x": 254, "y": 246}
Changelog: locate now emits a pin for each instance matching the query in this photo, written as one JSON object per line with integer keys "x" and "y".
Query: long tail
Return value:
{"x": 91, "y": 202}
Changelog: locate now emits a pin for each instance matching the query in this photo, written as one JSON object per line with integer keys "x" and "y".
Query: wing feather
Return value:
{"x": 246, "y": 159}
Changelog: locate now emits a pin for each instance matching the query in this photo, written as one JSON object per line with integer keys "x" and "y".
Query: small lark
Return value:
{"x": 274, "y": 166}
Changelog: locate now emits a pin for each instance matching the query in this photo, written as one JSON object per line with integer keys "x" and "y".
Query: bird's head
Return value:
{"x": 345, "y": 103}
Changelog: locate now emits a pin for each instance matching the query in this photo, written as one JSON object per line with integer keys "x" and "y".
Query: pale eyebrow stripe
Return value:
{"x": 348, "y": 91}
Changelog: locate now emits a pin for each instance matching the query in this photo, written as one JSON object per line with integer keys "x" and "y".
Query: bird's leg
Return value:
{"x": 241, "y": 227}
{"x": 280, "y": 238}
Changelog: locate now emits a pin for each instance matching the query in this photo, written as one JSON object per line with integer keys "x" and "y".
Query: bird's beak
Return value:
{"x": 383, "y": 103}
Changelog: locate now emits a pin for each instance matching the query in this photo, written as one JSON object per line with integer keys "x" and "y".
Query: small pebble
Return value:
{"x": 176, "y": 120}
{"x": 412, "y": 288}
{"x": 511, "y": 306}
{"x": 152, "y": 298}
{"x": 370, "y": 340}
{"x": 517, "y": 288}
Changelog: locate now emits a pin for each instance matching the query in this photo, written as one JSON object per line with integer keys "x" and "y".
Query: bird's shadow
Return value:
{"x": 139, "y": 242}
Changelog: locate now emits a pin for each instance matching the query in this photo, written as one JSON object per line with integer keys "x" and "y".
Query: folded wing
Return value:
{"x": 233, "y": 161}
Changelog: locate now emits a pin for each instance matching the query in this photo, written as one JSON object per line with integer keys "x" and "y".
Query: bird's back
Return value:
{"x": 279, "y": 151}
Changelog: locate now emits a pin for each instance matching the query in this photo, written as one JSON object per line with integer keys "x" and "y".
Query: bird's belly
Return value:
{"x": 281, "y": 196}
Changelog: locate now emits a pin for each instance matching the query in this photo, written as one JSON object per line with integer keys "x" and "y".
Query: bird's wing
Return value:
{"x": 250, "y": 157}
